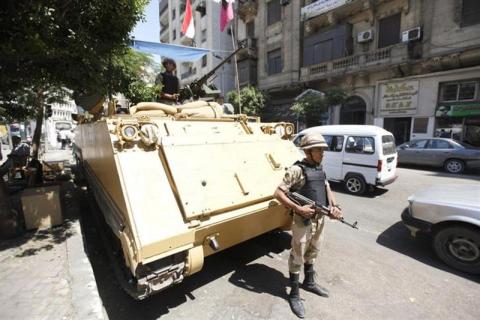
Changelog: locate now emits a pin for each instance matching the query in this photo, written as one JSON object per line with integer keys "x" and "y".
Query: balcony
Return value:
{"x": 247, "y": 9}
{"x": 318, "y": 17}
{"x": 249, "y": 48}
{"x": 368, "y": 61}
{"x": 247, "y": 72}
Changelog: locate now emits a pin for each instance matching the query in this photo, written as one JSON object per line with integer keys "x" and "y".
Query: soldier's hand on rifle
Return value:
{"x": 335, "y": 213}
{"x": 175, "y": 96}
{"x": 306, "y": 211}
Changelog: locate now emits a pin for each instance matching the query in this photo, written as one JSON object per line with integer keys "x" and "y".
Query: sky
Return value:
{"x": 149, "y": 30}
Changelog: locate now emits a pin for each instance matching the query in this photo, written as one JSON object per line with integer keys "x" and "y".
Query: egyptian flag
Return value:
{"x": 188, "y": 29}
{"x": 226, "y": 13}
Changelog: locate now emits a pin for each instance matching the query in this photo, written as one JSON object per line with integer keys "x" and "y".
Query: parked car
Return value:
{"x": 451, "y": 213}
{"x": 450, "y": 154}
{"x": 358, "y": 155}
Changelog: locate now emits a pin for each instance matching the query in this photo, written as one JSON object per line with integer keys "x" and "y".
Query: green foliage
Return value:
{"x": 133, "y": 74}
{"x": 312, "y": 108}
{"x": 59, "y": 43}
{"x": 251, "y": 99}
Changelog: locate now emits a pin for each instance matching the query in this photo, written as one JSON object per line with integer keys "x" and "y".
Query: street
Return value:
{"x": 376, "y": 272}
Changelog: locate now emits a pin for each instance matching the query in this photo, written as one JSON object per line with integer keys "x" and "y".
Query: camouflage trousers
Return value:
{"x": 306, "y": 242}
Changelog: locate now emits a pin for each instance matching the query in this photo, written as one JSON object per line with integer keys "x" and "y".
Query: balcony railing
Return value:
{"x": 393, "y": 55}
{"x": 249, "y": 48}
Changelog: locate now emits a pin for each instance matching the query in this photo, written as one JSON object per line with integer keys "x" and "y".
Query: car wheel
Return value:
{"x": 355, "y": 184}
{"x": 459, "y": 247}
{"x": 454, "y": 166}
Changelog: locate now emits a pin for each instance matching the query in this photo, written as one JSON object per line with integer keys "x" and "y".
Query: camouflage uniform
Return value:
{"x": 306, "y": 240}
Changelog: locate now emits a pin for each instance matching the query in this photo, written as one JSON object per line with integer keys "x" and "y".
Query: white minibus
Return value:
{"x": 358, "y": 155}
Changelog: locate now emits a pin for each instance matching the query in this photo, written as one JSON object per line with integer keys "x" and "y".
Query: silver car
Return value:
{"x": 450, "y": 154}
{"x": 451, "y": 213}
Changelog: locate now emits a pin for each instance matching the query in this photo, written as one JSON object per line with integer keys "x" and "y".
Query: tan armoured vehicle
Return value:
{"x": 176, "y": 184}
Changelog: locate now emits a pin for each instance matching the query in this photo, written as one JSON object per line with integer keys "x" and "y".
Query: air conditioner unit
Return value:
{"x": 365, "y": 36}
{"x": 412, "y": 34}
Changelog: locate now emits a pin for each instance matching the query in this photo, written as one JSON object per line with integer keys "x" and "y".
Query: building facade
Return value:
{"x": 411, "y": 67}
{"x": 206, "y": 14}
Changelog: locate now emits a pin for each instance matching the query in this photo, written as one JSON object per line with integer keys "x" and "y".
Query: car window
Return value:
{"x": 335, "y": 143}
{"x": 365, "y": 145}
{"x": 439, "y": 144}
{"x": 388, "y": 145}
{"x": 418, "y": 144}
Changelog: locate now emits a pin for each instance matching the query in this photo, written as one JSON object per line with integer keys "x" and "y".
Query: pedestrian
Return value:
{"x": 444, "y": 134}
{"x": 18, "y": 156}
{"x": 64, "y": 133}
{"x": 169, "y": 82}
{"x": 308, "y": 179}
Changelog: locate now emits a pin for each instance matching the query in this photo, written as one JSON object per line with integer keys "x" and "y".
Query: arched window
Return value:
{"x": 353, "y": 111}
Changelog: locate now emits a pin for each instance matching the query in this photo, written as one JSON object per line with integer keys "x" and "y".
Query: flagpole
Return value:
{"x": 236, "y": 70}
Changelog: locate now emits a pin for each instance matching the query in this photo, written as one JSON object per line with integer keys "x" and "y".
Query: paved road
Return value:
{"x": 378, "y": 272}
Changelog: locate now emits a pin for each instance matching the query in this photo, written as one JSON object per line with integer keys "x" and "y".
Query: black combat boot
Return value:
{"x": 309, "y": 282}
{"x": 294, "y": 298}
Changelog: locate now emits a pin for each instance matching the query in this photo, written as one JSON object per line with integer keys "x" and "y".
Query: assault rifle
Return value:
{"x": 319, "y": 209}
{"x": 199, "y": 88}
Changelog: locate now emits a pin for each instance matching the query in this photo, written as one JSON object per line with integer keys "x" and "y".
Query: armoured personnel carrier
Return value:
{"x": 178, "y": 183}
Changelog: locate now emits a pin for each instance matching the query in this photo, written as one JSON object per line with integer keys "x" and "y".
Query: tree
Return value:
{"x": 61, "y": 44}
{"x": 313, "y": 108}
{"x": 134, "y": 74}
{"x": 252, "y": 100}
{"x": 54, "y": 44}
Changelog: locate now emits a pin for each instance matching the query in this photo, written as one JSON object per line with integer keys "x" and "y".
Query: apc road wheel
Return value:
{"x": 454, "y": 166}
{"x": 355, "y": 184}
{"x": 459, "y": 247}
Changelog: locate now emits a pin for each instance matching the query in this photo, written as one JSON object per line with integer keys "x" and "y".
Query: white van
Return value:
{"x": 358, "y": 155}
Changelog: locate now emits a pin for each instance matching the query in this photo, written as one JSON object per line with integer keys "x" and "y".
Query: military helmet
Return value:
{"x": 313, "y": 140}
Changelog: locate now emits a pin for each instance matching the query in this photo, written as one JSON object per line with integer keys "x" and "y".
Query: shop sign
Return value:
{"x": 458, "y": 109}
{"x": 319, "y": 7}
{"x": 398, "y": 98}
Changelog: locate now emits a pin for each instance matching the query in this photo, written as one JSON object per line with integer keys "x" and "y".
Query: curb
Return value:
{"x": 86, "y": 301}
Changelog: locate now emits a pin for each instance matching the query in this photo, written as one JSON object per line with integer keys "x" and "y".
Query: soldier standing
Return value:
{"x": 169, "y": 81}
{"x": 308, "y": 179}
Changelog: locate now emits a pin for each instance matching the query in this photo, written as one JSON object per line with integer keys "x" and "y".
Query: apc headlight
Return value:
{"x": 129, "y": 132}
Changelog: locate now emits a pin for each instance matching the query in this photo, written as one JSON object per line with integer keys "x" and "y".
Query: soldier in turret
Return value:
{"x": 169, "y": 81}
{"x": 307, "y": 178}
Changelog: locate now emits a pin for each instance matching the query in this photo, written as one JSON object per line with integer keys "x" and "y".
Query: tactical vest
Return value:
{"x": 314, "y": 187}
{"x": 170, "y": 83}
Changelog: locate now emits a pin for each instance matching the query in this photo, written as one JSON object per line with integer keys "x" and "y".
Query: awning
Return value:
{"x": 176, "y": 52}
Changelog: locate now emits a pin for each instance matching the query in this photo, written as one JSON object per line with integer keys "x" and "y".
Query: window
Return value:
{"x": 173, "y": 14}
{"x": 174, "y": 34}
{"x": 274, "y": 12}
{"x": 365, "y": 145}
{"x": 420, "y": 125}
{"x": 274, "y": 59}
{"x": 418, "y": 144}
{"x": 466, "y": 91}
{"x": 204, "y": 35}
{"x": 250, "y": 29}
{"x": 389, "y": 31}
{"x": 204, "y": 61}
{"x": 335, "y": 143}
{"x": 388, "y": 145}
{"x": 459, "y": 91}
{"x": 202, "y": 9}
{"x": 439, "y": 144}
{"x": 470, "y": 12}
